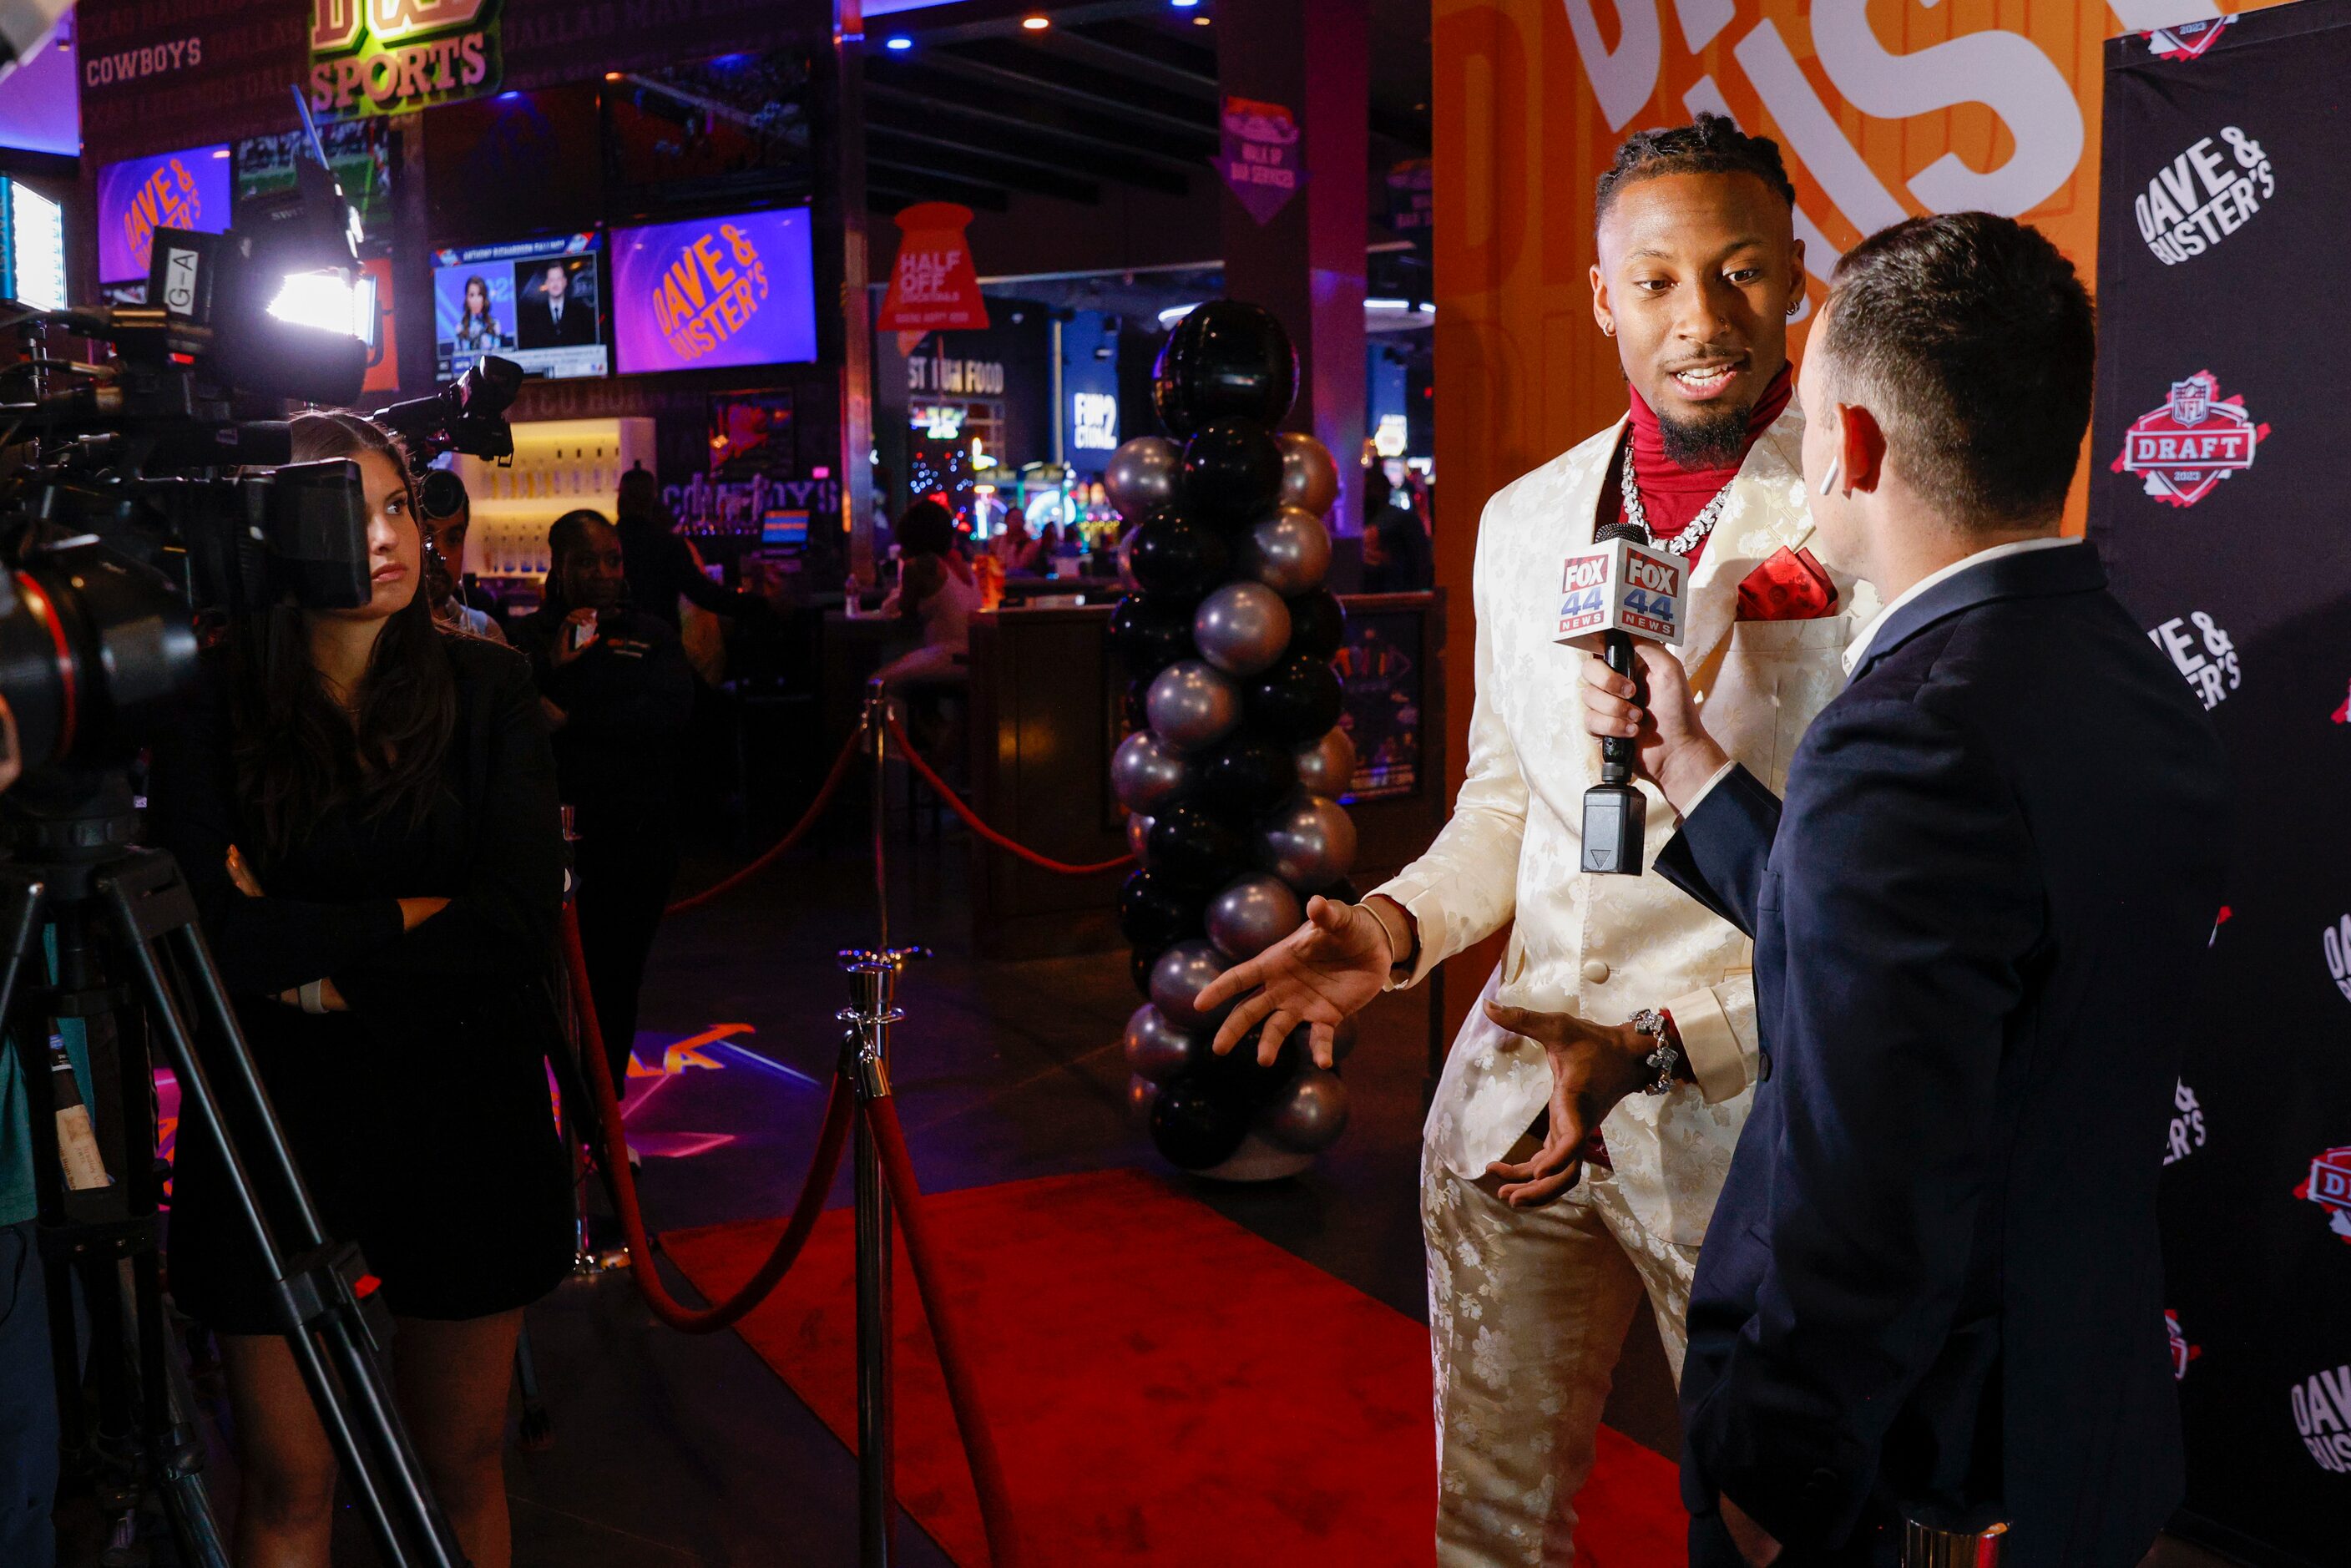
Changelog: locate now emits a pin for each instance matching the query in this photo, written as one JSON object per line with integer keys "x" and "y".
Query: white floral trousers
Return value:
{"x": 1526, "y": 1311}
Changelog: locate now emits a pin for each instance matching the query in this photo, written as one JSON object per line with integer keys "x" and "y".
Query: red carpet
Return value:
{"x": 1166, "y": 1387}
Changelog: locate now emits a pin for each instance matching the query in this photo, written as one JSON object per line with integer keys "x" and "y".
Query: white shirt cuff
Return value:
{"x": 1714, "y": 1059}
{"x": 1707, "y": 788}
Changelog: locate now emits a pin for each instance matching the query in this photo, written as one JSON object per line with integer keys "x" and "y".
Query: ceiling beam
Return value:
{"x": 917, "y": 185}
{"x": 1005, "y": 63}
{"x": 929, "y": 122}
{"x": 900, "y": 83}
{"x": 1174, "y": 57}
{"x": 888, "y": 150}
{"x": 1090, "y": 51}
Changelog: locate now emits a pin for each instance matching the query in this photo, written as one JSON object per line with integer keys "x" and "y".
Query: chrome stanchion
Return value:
{"x": 586, "y": 1261}
{"x": 1927, "y": 1546}
{"x": 874, "y": 984}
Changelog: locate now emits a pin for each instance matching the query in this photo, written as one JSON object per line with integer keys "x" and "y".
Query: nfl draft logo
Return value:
{"x": 2329, "y": 1186}
{"x": 2196, "y": 439}
{"x": 2185, "y": 40}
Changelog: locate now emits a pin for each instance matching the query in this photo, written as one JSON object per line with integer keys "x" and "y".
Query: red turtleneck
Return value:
{"x": 1671, "y": 495}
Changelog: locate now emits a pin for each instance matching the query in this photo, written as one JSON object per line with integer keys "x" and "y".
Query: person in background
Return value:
{"x": 364, "y": 808}
{"x": 935, "y": 590}
{"x": 478, "y": 327}
{"x": 1014, "y": 547}
{"x": 28, "y": 1395}
{"x": 661, "y": 566}
{"x": 1397, "y": 557}
{"x": 620, "y": 695}
{"x": 444, "y": 567}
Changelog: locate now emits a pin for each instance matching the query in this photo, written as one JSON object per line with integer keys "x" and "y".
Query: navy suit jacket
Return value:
{"x": 1933, "y": 1280}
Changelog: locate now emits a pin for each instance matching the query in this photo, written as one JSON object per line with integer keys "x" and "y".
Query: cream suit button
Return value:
{"x": 1595, "y": 970}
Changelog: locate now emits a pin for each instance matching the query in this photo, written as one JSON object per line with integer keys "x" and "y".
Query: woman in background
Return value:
{"x": 476, "y": 328}
{"x": 364, "y": 807}
{"x": 936, "y": 591}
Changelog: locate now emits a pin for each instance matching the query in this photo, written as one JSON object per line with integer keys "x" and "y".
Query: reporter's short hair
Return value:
{"x": 1971, "y": 339}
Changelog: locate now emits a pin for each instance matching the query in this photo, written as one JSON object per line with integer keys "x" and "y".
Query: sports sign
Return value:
{"x": 390, "y": 57}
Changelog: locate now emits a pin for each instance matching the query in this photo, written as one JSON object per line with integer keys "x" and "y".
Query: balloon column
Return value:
{"x": 1232, "y": 781}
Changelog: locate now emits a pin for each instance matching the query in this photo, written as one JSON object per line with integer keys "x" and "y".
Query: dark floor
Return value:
{"x": 673, "y": 1451}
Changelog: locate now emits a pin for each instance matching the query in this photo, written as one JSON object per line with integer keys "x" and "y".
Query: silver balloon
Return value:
{"x": 1241, "y": 628}
{"x": 1309, "y": 842}
{"x": 1138, "y": 837}
{"x": 1191, "y": 705}
{"x": 1289, "y": 552}
{"x": 1156, "y": 1049}
{"x": 1252, "y": 914}
{"x": 1145, "y": 772}
{"x": 1311, "y": 1114}
{"x": 1309, "y": 479}
{"x": 1176, "y": 979}
{"x": 1141, "y": 475}
{"x": 1140, "y": 1092}
{"x": 1328, "y": 765}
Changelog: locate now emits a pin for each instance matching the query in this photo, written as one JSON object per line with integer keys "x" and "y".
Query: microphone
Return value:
{"x": 1620, "y": 589}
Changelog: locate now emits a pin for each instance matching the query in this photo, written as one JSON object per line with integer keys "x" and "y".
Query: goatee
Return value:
{"x": 1715, "y": 439}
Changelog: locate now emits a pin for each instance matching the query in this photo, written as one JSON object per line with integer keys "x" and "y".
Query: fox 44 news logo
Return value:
{"x": 2198, "y": 438}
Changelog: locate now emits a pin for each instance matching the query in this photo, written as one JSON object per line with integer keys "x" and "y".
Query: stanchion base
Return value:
{"x": 1259, "y": 1160}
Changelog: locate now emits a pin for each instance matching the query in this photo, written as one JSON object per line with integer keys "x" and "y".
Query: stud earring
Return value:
{"x": 1608, "y": 328}
{"x": 1797, "y": 305}
{"x": 1829, "y": 479}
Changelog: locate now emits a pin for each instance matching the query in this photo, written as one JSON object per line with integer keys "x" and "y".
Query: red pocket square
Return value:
{"x": 1790, "y": 586}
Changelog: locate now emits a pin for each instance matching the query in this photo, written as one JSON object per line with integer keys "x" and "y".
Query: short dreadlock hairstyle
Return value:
{"x": 1711, "y": 144}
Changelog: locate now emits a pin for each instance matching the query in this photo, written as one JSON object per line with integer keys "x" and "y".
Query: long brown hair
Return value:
{"x": 298, "y": 753}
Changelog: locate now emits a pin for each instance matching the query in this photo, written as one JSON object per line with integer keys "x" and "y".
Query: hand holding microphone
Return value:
{"x": 1670, "y": 745}
{"x": 1621, "y": 588}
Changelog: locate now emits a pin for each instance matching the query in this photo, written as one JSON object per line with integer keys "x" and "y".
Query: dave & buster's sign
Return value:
{"x": 389, "y": 56}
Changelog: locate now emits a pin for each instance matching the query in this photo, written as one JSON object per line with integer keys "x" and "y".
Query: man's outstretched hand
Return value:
{"x": 1593, "y": 1066}
{"x": 1320, "y": 975}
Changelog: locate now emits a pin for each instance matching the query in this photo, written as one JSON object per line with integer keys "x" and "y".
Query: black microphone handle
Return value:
{"x": 1616, "y": 751}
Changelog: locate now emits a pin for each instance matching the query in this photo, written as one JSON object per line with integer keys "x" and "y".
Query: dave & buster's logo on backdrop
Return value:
{"x": 2198, "y": 438}
{"x": 2211, "y": 670}
{"x": 2186, "y": 1125}
{"x": 2200, "y": 198}
{"x": 2182, "y": 1352}
{"x": 2321, "y": 1414}
{"x": 2329, "y": 1186}
{"x": 2337, "y": 942}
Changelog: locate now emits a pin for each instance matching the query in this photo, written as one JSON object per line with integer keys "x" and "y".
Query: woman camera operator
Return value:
{"x": 365, "y": 807}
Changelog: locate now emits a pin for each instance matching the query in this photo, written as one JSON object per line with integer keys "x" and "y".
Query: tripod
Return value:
{"x": 132, "y": 965}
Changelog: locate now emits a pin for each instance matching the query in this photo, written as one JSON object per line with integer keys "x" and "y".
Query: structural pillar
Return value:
{"x": 1306, "y": 263}
{"x": 856, "y": 304}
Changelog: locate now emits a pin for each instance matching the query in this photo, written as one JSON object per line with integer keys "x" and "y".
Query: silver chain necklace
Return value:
{"x": 1691, "y": 536}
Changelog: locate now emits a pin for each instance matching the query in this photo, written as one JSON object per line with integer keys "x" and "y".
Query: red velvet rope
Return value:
{"x": 782, "y": 846}
{"x": 616, "y": 1155}
{"x": 963, "y": 1392}
{"x": 923, "y": 771}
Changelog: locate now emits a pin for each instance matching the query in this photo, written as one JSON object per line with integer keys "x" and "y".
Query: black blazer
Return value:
{"x": 536, "y": 328}
{"x": 1933, "y": 1280}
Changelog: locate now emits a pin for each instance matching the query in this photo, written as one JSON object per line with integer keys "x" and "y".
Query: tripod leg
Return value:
{"x": 324, "y": 1326}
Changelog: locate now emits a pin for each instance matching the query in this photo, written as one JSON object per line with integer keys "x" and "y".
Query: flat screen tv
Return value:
{"x": 514, "y": 164}
{"x": 713, "y": 292}
{"x": 538, "y": 303}
{"x": 360, "y": 151}
{"x": 733, "y": 128}
{"x": 184, "y": 190}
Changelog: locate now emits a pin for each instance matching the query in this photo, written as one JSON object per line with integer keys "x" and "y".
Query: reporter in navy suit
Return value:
{"x": 1932, "y": 1288}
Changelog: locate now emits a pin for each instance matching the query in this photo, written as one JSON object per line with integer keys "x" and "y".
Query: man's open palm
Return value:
{"x": 1320, "y": 975}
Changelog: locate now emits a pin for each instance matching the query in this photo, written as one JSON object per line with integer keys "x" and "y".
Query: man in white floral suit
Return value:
{"x": 1542, "y": 1239}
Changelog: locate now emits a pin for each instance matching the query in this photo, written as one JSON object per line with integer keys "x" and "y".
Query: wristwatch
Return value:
{"x": 1659, "y": 1026}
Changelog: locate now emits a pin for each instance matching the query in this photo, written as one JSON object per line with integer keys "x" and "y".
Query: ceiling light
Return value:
{"x": 1199, "y": 21}
{"x": 1036, "y": 24}
{"x": 1183, "y": 5}
{"x": 898, "y": 41}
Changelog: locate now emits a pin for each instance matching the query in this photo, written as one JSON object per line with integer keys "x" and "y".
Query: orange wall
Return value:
{"x": 1884, "y": 108}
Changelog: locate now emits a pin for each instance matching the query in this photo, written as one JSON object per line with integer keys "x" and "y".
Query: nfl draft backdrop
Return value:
{"x": 2216, "y": 498}
{"x": 1886, "y": 109}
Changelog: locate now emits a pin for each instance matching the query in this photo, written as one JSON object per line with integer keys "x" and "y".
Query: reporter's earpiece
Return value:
{"x": 1836, "y": 471}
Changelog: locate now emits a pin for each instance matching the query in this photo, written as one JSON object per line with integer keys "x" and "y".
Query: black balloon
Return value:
{"x": 1138, "y": 715}
{"x": 1317, "y": 624}
{"x": 1295, "y": 701}
{"x": 1175, "y": 557}
{"x": 1237, "y": 1071}
{"x": 1226, "y": 359}
{"x": 1195, "y": 846}
{"x": 1155, "y": 911}
{"x": 1342, "y": 891}
{"x": 1139, "y": 965}
{"x": 1152, "y": 633}
{"x": 1232, "y": 472}
{"x": 1196, "y": 1126}
{"x": 1249, "y": 775}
